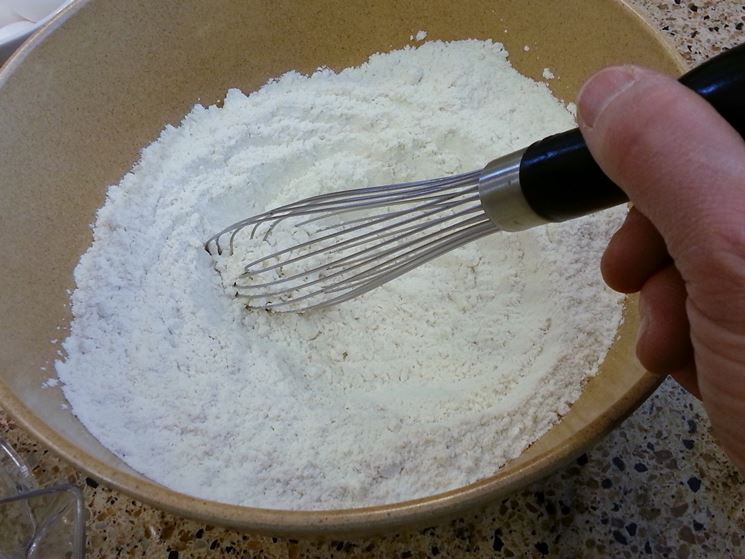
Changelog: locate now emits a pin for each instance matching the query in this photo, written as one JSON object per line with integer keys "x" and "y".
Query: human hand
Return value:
{"x": 683, "y": 243}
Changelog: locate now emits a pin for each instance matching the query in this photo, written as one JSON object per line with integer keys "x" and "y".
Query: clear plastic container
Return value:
{"x": 37, "y": 523}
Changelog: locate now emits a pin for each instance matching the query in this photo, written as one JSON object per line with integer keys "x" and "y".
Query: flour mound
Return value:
{"x": 433, "y": 381}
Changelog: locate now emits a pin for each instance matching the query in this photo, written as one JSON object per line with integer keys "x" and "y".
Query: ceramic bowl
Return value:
{"x": 79, "y": 101}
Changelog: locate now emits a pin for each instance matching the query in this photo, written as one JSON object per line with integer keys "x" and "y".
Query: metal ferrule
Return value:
{"x": 502, "y": 197}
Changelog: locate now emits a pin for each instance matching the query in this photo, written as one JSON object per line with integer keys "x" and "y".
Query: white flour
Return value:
{"x": 429, "y": 383}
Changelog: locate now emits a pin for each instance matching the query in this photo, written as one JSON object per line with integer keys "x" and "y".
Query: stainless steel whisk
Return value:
{"x": 360, "y": 239}
{"x": 375, "y": 235}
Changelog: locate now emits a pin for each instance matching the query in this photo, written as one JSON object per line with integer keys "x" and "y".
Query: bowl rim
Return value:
{"x": 349, "y": 521}
{"x": 23, "y": 34}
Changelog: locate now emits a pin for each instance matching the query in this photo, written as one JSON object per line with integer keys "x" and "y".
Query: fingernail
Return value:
{"x": 600, "y": 90}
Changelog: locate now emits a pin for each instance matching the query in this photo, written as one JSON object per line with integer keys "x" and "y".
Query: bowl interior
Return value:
{"x": 81, "y": 99}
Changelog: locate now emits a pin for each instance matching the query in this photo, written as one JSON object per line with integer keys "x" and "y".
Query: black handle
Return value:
{"x": 560, "y": 179}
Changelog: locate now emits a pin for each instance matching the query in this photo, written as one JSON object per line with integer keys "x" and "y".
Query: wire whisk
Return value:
{"x": 352, "y": 241}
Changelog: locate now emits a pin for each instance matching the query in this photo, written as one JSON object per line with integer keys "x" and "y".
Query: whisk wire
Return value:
{"x": 313, "y": 204}
{"x": 475, "y": 233}
{"x": 401, "y": 226}
{"x": 251, "y": 268}
{"x": 353, "y": 261}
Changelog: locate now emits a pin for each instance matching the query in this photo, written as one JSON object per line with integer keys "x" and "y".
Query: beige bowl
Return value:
{"x": 81, "y": 99}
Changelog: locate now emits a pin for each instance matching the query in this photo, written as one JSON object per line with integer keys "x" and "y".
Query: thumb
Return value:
{"x": 682, "y": 166}
{"x": 677, "y": 159}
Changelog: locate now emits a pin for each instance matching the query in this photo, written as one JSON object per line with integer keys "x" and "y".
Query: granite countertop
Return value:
{"x": 658, "y": 485}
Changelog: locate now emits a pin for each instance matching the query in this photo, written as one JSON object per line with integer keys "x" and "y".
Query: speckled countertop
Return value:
{"x": 657, "y": 486}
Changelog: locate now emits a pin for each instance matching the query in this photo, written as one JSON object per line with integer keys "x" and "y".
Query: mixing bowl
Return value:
{"x": 80, "y": 100}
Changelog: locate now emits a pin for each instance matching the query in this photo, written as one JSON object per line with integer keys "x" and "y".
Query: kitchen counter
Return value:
{"x": 658, "y": 485}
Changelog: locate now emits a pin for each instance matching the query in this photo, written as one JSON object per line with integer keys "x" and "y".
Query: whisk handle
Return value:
{"x": 559, "y": 178}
